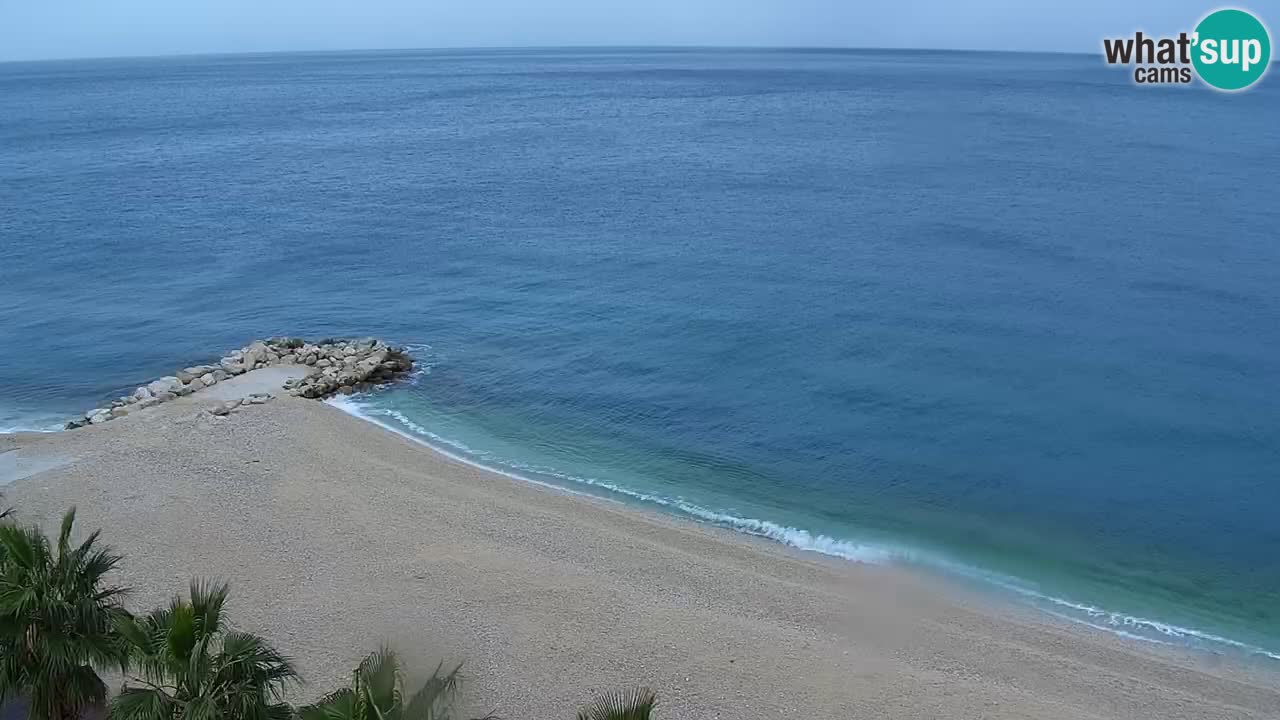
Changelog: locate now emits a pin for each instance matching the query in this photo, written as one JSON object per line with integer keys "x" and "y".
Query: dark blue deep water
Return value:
{"x": 1009, "y": 317}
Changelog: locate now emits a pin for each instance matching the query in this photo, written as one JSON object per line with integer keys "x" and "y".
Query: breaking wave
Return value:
{"x": 1117, "y": 623}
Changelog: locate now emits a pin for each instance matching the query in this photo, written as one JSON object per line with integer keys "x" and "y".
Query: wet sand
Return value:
{"x": 337, "y": 535}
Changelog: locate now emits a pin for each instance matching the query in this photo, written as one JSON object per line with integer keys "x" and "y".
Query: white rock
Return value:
{"x": 255, "y": 353}
{"x": 343, "y": 366}
{"x": 164, "y": 384}
{"x": 223, "y": 408}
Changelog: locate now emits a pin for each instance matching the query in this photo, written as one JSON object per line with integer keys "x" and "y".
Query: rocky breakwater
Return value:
{"x": 347, "y": 367}
{"x": 333, "y": 367}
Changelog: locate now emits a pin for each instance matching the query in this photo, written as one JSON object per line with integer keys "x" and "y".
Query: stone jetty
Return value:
{"x": 333, "y": 366}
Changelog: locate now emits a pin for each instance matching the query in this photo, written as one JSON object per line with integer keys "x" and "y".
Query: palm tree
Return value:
{"x": 377, "y": 693}
{"x": 57, "y": 620}
{"x": 191, "y": 667}
{"x": 635, "y": 704}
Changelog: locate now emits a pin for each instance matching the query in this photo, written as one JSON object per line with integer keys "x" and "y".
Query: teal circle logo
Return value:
{"x": 1232, "y": 49}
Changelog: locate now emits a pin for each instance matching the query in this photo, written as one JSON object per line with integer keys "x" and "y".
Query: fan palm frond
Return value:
{"x": 58, "y": 619}
{"x": 377, "y": 693}
{"x": 188, "y": 665}
{"x": 142, "y": 704}
{"x": 634, "y": 704}
{"x": 378, "y": 678}
{"x": 433, "y": 699}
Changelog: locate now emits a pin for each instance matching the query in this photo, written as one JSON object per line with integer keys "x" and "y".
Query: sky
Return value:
{"x": 46, "y": 29}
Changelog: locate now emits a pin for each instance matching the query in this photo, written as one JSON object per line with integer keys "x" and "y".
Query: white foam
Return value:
{"x": 1132, "y": 625}
{"x": 1120, "y": 624}
{"x": 425, "y": 360}
{"x": 1105, "y": 628}
{"x": 786, "y": 535}
{"x": 415, "y": 433}
{"x": 41, "y": 425}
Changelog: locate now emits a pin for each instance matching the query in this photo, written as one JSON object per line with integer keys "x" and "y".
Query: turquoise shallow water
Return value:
{"x": 1004, "y": 316}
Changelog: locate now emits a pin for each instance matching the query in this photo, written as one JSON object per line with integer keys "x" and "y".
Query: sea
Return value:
{"x": 1007, "y": 318}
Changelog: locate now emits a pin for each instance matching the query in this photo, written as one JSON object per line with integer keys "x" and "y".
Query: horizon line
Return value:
{"x": 492, "y": 48}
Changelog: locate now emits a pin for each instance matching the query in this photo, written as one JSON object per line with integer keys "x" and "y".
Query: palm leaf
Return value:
{"x": 279, "y": 711}
{"x": 433, "y": 699}
{"x": 338, "y": 705}
{"x": 207, "y": 601}
{"x": 379, "y": 675}
{"x": 247, "y": 660}
{"x": 634, "y": 704}
{"x": 377, "y": 693}
{"x": 141, "y": 704}
{"x": 23, "y": 546}
{"x": 202, "y": 707}
{"x": 57, "y": 619}
{"x": 185, "y": 654}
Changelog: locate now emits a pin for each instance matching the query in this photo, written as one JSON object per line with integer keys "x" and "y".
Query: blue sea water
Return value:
{"x": 1008, "y": 317}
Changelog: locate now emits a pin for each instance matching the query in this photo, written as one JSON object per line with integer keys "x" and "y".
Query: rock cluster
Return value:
{"x": 337, "y": 366}
{"x": 348, "y": 366}
{"x": 225, "y": 407}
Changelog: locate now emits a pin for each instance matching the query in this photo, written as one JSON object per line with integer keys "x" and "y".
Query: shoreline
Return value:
{"x": 1008, "y": 590}
{"x": 336, "y": 534}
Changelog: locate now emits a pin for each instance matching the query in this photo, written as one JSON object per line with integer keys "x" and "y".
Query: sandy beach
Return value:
{"x": 337, "y": 535}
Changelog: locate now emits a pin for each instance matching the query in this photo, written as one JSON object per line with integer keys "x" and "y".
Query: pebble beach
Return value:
{"x": 337, "y": 536}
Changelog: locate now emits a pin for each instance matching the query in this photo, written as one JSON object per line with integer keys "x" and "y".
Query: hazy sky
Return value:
{"x": 31, "y": 29}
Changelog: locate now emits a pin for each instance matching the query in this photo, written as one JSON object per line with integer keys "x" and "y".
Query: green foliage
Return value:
{"x": 189, "y": 666}
{"x": 60, "y": 623}
{"x": 377, "y": 693}
{"x": 57, "y": 619}
{"x": 634, "y": 704}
